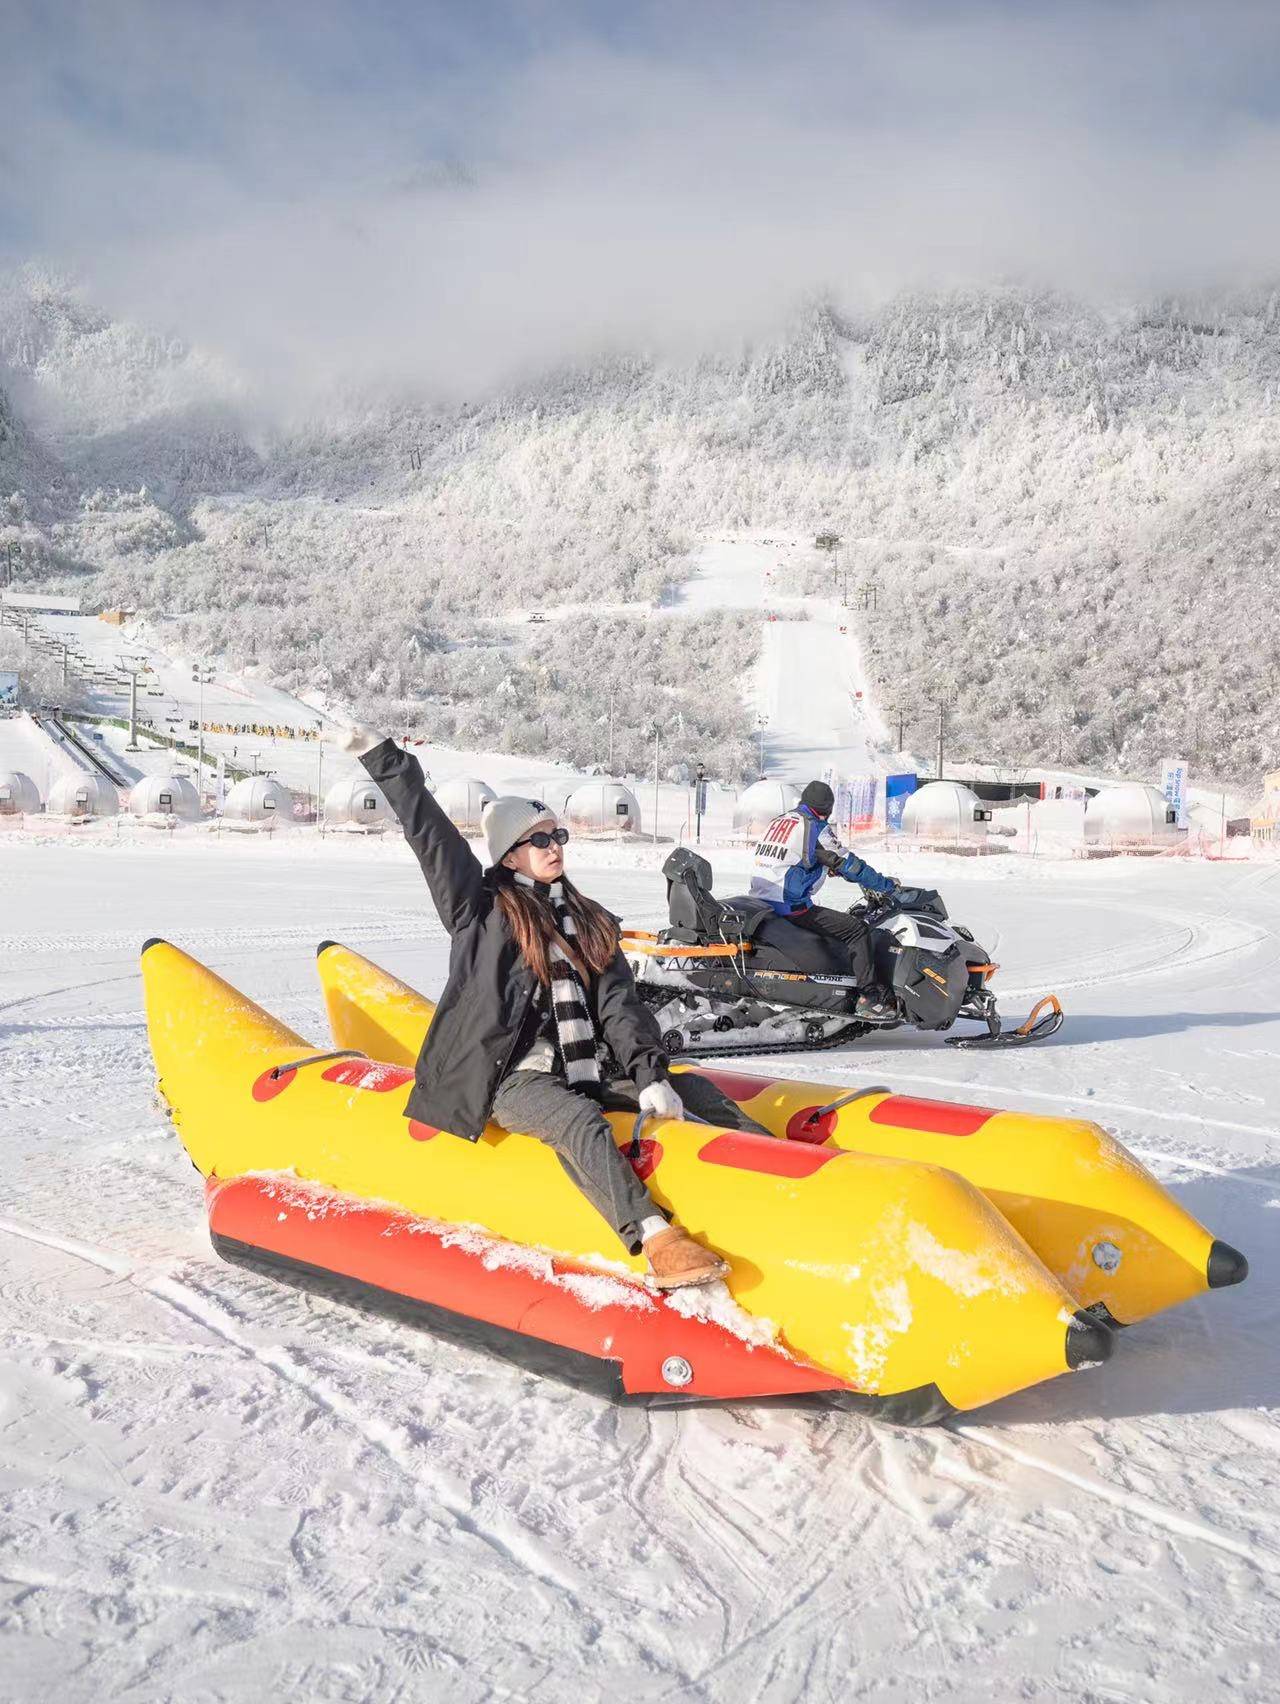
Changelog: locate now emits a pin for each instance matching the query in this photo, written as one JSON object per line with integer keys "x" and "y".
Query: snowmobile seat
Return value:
{"x": 696, "y": 915}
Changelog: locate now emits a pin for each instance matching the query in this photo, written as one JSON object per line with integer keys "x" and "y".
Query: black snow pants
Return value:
{"x": 543, "y": 1105}
{"x": 850, "y": 931}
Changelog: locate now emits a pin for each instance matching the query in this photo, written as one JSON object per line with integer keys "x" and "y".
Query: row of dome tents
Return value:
{"x": 938, "y": 813}
{"x": 1129, "y": 816}
{"x": 593, "y": 807}
{"x": 86, "y": 795}
{"x": 947, "y": 815}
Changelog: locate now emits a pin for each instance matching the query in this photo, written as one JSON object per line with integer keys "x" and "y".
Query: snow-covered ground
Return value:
{"x": 215, "y": 1488}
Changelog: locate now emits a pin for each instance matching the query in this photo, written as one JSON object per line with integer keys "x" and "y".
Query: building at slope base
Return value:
{"x": 165, "y": 797}
{"x": 258, "y": 802}
{"x": 80, "y": 797}
{"x": 759, "y": 803}
{"x": 949, "y": 817}
{"x": 462, "y": 798}
{"x": 1131, "y": 817}
{"x": 19, "y": 795}
{"x": 356, "y": 804}
{"x": 1264, "y": 821}
{"x": 602, "y": 807}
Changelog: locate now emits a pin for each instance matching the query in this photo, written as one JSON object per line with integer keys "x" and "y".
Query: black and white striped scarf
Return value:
{"x": 576, "y": 1036}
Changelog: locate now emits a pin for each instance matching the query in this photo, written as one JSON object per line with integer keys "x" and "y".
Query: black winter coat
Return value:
{"x": 483, "y": 1016}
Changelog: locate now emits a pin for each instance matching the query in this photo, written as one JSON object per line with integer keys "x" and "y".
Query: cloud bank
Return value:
{"x": 436, "y": 199}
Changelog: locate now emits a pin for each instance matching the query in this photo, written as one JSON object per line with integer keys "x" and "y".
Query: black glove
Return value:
{"x": 921, "y": 899}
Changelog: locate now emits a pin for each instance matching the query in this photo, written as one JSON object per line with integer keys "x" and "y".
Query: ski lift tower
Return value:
{"x": 202, "y": 675}
{"x": 130, "y": 668}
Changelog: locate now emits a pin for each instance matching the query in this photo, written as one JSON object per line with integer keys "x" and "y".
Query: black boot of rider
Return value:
{"x": 875, "y": 1004}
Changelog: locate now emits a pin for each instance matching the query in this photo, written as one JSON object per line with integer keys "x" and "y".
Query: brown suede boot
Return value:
{"x": 675, "y": 1260}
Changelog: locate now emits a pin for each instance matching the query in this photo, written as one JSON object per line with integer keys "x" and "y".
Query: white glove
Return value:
{"x": 661, "y": 1100}
{"x": 353, "y": 739}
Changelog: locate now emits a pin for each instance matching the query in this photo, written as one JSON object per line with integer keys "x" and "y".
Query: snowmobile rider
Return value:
{"x": 797, "y": 852}
{"x": 538, "y": 1005}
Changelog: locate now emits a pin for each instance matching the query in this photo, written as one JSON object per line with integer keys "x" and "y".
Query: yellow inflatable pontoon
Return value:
{"x": 893, "y": 1286}
{"x": 1101, "y": 1223}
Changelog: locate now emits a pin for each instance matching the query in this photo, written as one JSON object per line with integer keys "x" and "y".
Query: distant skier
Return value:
{"x": 539, "y": 1002}
{"x": 794, "y": 856}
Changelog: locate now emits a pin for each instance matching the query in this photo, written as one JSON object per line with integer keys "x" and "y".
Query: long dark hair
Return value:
{"x": 532, "y": 922}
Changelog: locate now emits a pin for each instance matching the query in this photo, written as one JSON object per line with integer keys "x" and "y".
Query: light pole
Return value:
{"x": 319, "y": 772}
{"x": 613, "y": 693}
{"x": 699, "y": 802}
{"x": 762, "y": 722}
{"x": 902, "y": 726}
{"x": 942, "y": 735}
{"x": 202, "y": 675}
{"x": 657, "y": 748}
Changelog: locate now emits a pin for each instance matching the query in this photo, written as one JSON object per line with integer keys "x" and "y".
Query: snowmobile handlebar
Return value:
{"x": 901, "y": 898}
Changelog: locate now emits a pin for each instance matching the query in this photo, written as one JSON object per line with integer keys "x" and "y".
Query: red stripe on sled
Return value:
{"x": 746, "y": 1152}
{"x": 939, "y": 1118}
{"x": 368, "y": 1074}
{"x": 738, "y": 1085}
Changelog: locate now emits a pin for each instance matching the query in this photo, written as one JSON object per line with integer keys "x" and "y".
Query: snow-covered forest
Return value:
{"x": 1068, "y": 516}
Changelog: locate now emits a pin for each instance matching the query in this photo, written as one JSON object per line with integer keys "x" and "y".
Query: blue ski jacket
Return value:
{"x": 801, "y": 848}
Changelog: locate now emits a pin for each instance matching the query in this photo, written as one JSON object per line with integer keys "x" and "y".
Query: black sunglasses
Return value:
{"x": 543, "y": 838}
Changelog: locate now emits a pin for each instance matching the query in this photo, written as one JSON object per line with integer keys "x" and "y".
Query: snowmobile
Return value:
{"x": 732, "y": 977}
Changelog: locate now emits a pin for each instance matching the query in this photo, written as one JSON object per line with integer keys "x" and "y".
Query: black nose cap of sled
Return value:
{"x": 1226, "y": 1266}
{"x": 1088, "y": 1341}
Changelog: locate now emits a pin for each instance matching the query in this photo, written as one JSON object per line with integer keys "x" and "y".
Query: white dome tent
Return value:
{"x": 357, "y": 805}
{"x": 462, "y": 798}
{"x": 258, "y": 802}
{"x": 165, "y": 796}
{"x": 602, "y": 807}
{"x": 1131, "y": 817}
{"x": 19, "y": 795}
{"x": 757, "y": 806}
{"x": 948, "y": 815}
{"x": 80, "y": 797}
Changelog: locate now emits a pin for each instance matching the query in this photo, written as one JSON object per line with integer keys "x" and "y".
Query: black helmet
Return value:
{"x": 819, "y": 798}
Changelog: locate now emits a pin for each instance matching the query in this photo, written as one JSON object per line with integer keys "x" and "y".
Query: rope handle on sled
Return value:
{"x": 278, "y": 1071}
{"x": 820, "y": 1112}
{"x": 633, "y": 1147}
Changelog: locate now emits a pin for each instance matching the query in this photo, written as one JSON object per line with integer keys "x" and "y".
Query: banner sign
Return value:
{"x": 8, "y": 691}
{"x": 862, "y": 803}
{"x": 897, "y": 790}
{"x": 1173, "y": 784}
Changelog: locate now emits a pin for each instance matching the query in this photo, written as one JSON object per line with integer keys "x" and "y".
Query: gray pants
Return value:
{"x": 543, "y": 1105}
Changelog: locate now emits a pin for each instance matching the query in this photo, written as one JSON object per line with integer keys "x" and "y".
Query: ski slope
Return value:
{"x": 810, "y": 667}
{"x": 215, "y": 1488}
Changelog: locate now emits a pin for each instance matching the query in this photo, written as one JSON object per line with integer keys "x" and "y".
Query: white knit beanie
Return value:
{"x": 507, "y": 820}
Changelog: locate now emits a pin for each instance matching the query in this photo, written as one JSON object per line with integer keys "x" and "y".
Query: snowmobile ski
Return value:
{"x": 1044, "y": 1019}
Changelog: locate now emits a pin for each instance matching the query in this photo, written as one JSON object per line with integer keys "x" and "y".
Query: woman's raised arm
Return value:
{"x": 450, "y": 866}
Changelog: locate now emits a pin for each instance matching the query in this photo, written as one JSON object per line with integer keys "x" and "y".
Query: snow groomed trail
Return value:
{"x": 810, "y": 666}
{"x": 216, "y": 1487}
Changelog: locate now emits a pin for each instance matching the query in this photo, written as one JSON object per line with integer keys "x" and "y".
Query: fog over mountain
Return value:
{"x": 1070, "y": 516}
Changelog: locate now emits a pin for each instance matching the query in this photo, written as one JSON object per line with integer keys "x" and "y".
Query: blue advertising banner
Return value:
{"x": 897, "y": 790}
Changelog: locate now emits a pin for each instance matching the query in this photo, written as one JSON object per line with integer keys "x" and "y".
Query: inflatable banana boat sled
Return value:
{"x": 890, "y": 1286}
{"x": 1097, "y": 1219}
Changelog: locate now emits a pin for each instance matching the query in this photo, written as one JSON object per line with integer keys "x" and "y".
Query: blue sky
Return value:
{"x": 265, "y": 175}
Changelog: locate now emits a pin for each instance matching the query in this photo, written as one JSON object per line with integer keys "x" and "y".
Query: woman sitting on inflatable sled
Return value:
{"x": 538, "y": 992}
